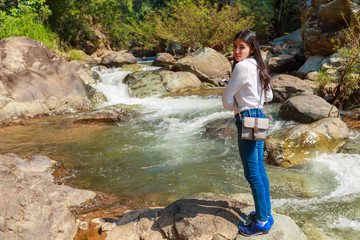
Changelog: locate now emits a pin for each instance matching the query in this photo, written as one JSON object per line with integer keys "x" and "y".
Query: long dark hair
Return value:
{"x": 249, "y": 37}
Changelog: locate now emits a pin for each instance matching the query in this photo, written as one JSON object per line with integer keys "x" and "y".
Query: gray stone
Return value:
{"x": 145, "y": 83}
{"x": 109, "y": 114}
{"x": 284, "y": 228}
{"x": 221, "y": 128}
{"x": 207, "y": 64}
{"x": 286, "y": 86}
{"x": 117, "y": 59}
{"x": 163, "y": 60}
{"x": 282, "y": 63}
{"x": 307, "y": 109}
{"x": 31, "y": 75}
{"x": 293, "y": 40}
{"x": 32, "y": 206}
{"x": 312, "y": 64}
{"x": 175, "y": 81}
{"x": 289, "y": 147}
{"x": 204, "y": 218}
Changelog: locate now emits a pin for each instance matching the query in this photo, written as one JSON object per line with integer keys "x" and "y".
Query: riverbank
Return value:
{"x": 33, "y": 207}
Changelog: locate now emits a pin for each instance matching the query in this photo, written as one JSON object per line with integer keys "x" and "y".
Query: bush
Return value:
{"x": 192, "y": 25}
{"x": 348, "y": 49}
{"x": 28, "y": 24}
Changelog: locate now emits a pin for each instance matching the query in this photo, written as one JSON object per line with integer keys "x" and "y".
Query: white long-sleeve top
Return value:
{"x": 246, "y": 87}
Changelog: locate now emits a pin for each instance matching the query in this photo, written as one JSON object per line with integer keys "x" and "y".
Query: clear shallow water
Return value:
{"x": 164, "y": 155}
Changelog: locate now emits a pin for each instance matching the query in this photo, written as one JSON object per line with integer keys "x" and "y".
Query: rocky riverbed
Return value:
{"x": 34, "y": 207}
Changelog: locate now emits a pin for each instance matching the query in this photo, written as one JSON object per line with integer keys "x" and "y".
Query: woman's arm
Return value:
{"x": 269, "y": 95}
{"x": 236, "y": 81}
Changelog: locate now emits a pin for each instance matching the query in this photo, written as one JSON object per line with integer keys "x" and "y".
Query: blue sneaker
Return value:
{"x": 254, "y": 229}
{"x": 252, "y": 217}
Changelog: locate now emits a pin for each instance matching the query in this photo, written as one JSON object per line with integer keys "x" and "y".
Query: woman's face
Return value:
{"x": 241, "y": 50}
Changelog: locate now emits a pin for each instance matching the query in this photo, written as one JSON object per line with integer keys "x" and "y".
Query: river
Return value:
{"x": 164, "y": 155}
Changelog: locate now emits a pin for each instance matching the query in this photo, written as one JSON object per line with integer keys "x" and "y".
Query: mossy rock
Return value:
{"x": 291, "y": 147}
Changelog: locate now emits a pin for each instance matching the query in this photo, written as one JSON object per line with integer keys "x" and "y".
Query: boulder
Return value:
{"x": 164, "y": 60}
{"x": 284, "y": 228}
{"x": 175, "y": 81}
{"x": 147, "y": 83}
{"x": 292, "y": 40}
{"x": 283, "y": 63}
{"x": 311, "y": 64}
{"x": 109, "y": 114}
{"x": 331, "y": 11}
{"x": 89, "y": 78}
{"x": 202, "y": 218}
{"x": 207, "y": 64}
{"x": 285, "y": 53}
{"x": 307, "y": 109}
{"x": 312, "y": 76}
{"x": 117, "y": 59}
{"x": 32, "y": 206}
{"x": 286, "y": 86}
{"x": 291, "y": 147}
{"x": 36, "y": 81}
{"x": 323, "y": 21}
{"x": 222, "y": 128}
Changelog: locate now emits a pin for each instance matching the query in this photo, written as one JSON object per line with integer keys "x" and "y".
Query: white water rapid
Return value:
{"x": 324, "y": 196}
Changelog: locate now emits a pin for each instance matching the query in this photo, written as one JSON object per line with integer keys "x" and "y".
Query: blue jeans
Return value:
{"x": 252, "y": 157}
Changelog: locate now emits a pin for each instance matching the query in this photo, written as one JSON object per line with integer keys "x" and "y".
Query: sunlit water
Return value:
{"x": 163, "y": 155}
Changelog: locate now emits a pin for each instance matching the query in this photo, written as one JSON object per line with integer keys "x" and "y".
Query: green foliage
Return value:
{"x": 71, "y": 19}
{"x": 191, "y": 25}
{"x": 74, "y": 54}
{"x": 274, "y": 17}
{"x": 152, "y": 24}
{"x": 349, "y": 49}
{"x": 24, "y": 20}
{"x": 323, "y": 79}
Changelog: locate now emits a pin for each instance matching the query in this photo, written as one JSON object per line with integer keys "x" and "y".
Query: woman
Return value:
{"x": 248, "y": 88}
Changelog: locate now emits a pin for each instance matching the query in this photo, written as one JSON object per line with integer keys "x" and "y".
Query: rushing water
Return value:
{"x": 164, "y": 155}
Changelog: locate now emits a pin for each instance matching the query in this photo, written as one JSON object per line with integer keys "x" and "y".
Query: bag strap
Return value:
{"x": 237, "y": 106}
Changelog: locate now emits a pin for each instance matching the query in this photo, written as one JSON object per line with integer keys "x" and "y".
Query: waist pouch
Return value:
{"x": 254, "y": 128}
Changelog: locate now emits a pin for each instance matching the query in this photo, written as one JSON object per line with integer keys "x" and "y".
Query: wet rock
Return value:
{"x": 197, "y": 219}
{"x": 286, "y": 86}
{"x": 95, "y": 96}
{"x": 32, "y": 77}
{"x": 164, "y": 60}
{"x": 89, "y": 78}
{"x": 117, "y": 59}
{"x": 307, "y": 109}
{"x": 207, "y": 64}
{"x": 291, "y": 147}
{"x": 32, "y": 206}
{"x": 131, "y": 67}
{"x": 222, "y": 128}
{"x": 147, "y": 83}
{"x": 175, "y": 81}
{"x": 109, "y": 114}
